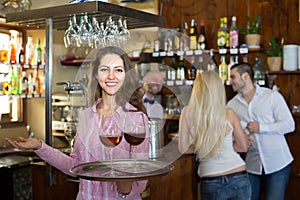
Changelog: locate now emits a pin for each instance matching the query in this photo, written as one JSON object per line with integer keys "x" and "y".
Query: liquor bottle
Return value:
{"x": 233, "y": 60}
{"x": 181, "y": 69}
{"x": 212, "y": 63}
{"x": 14, "y": 80}
{"x": 24, "y": 83}
{"x": 29, "y": 52}
{"x": 42, "y": 82}
{"x": 221, "y": 35}
{"x": 226, "y": 33}
{"x": 31, "y": 84}
{"x": 37, "y": 82}
{"x": 156, "y": 45}
{"x": 39, "y": 53}
{"x": 6, "y": 83}
{"x": 171, "y": 74}
{"x": 177, "y": 38}
{"x": 185, "y": 40}
{"x": 202, "y": 37}
{"x": 259, "y": 71}
{"x": 3, "y": 54}
{"x": 13, "y": 54}
{"x": 169, "y": 41}
{"x": 21, "y": 56}
{"x": 192, "y": 70}
{"x": 233, "y": 34}
{"x": 223, "y": 71}
{"x": 193, "y": 35}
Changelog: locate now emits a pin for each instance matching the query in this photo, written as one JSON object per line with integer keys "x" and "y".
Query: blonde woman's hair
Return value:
{"x": 208, "y": 111}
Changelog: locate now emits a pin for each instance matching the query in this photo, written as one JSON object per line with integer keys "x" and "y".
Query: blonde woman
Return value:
{"x": 213, "y": 132}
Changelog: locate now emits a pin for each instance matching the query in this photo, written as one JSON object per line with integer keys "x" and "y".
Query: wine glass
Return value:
{"x": 71, "y": 34}
{"x": 110, "y": 135}
{"x": 70, "y": 132}
{"x": 134, "y": 128}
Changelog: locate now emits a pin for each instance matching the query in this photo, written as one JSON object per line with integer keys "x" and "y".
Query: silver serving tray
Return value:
{"x": 118, "y": 170}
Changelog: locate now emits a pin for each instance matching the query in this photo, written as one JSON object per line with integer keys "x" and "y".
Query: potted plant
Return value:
{"x": 274, "y": 54}
{"x": 253, "y": 32}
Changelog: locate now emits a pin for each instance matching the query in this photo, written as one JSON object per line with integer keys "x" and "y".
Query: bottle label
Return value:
{"x": 221, "y": 39}
{"x": 234, "y": 39}
{"x": 193, "y": 42}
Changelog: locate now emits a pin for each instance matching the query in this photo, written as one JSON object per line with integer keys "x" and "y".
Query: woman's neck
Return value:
{"x": 108, "y": 105}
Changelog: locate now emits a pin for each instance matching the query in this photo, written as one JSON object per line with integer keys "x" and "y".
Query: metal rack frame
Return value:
{"x": 56, "y": 18}
{"x": 98, "y": 9}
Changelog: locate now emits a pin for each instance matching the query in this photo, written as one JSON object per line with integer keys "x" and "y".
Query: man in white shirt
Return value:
{"x": 152, "y": 86}
{"x": 268, "y": 120}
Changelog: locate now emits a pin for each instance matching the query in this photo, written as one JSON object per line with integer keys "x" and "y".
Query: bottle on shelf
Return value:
{"x": 37, "y": 82}
{"x": 192, "y": 70}
{"x": 39, "y": 53}
{"x": 181, "y": 69}
{"x": 193, "y": 35}
{"x": 156, "y": 45}
{"x": 226, "y": 33}
{"x": 212, "y": 63}
{"x": 221, "y": 41}
{"x": 233, "y": 34}
{"x": 169, "y": 41}
{"x": 244, "y": 52}
{"x": 14, "y": 80}
{"x": 13, "y": 51}
{"x": 177, "y": 38}
{"x": 21, "y": 56}
{"x": 31, "y": 84}
{"x": 171, "y": 73}
{"x": 3, "y": 54}
{"x": 42, "y": 81}
{"x": 6, "y": 83}
{"x": 259, "y": 71}
{"x": 233, "y": 60}
{"x": 24, "y": 83}
{"x": 223, "y": 70}
{"x": 29, "y": 53}
{"x": 185, "y": 40}
{"x": 202, "y": 36}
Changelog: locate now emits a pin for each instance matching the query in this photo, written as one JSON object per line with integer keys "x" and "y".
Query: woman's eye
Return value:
{"x": 119, "y": 70}
{"x": 103, "y": 70}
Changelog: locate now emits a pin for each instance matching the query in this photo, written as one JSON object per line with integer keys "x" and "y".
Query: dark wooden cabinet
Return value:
{"x": 178, "y": 184}
{"x": 62, "y": 190}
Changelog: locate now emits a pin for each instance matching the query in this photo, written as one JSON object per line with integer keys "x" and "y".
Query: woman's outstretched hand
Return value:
{"x": 25, "y": 143}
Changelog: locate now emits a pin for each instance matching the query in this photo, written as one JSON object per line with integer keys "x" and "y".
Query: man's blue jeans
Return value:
{"x": 271, "y": 185}
{"x": 235, "y": 186}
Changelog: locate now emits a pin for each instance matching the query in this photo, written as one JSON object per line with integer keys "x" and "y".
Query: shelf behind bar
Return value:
{"x": 98, "y": 9}
{"x": 282, "y": 72}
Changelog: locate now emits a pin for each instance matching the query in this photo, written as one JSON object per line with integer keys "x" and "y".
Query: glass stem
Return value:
{"x": 111, "y": 157}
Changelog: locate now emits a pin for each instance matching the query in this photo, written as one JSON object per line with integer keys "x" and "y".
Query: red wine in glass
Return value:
{"x": 134, "y": 138}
